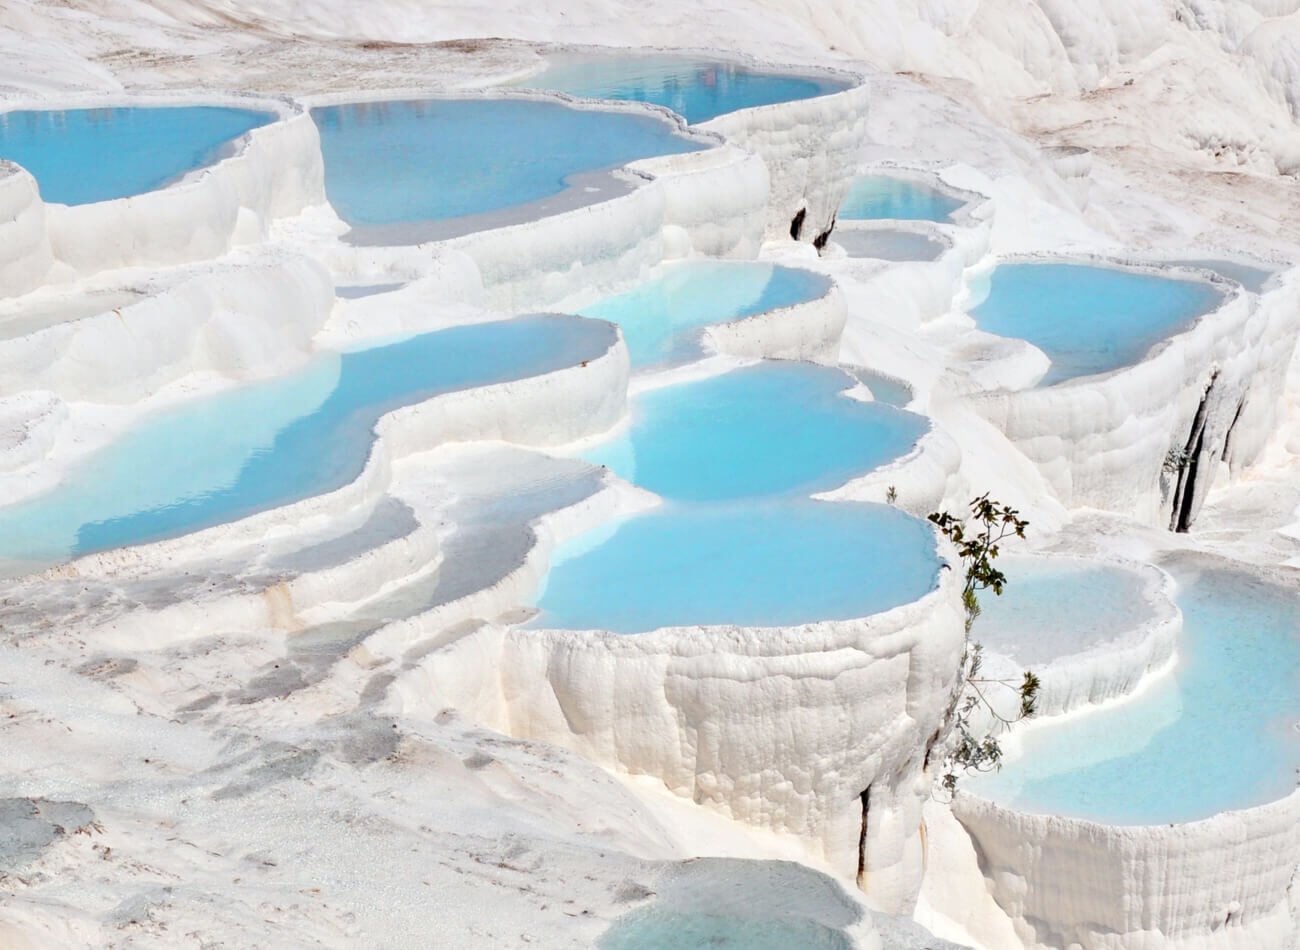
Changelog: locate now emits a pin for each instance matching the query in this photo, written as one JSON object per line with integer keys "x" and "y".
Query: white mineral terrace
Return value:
{"x": 443, "y": 505}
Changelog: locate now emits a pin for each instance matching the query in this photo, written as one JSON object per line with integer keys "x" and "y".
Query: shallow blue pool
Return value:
{"x": 1252, "y": 279}
{"x": 886, "y": 389}
{"x": 1088, "y": 318}
{"x": 774, "y": 428}
{"x": 888, "y": 245}
{"x": 662, "y": 930}
{"x": 389, "y": 163}
{"x": 1057, "y": 607}
{"x": 661, "y": 317}
{"x": 696, "y": 89}
{"x": 1223, "y": 732}
{"x": 224, "y": 457}
{"x": 79, "y": 156}
{"x": 762, "y": 564}
{"x": 879, "y": 197}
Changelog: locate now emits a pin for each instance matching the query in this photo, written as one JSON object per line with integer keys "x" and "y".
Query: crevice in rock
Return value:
{"x": 820, "y": 240}
{"x": 796, "y": 223}
{"x": 1182, "y": 514}
{"x": 862, "y": 837}
{"x": 929, "y": 749}
{"x": 1232, "y": 427}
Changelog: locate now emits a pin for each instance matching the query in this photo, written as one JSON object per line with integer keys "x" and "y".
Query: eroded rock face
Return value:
{"x": 781, "y": 728}
{"x": 811, "y": 149}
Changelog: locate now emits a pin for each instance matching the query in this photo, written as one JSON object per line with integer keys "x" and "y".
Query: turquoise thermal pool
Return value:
{"x": 80, "y": 156}
{"x": 886, "y": 245}
{"x": 762, "y": 564}
{"x": 1221, "y": 732}
{"x": 224, "y": 457}
{"x": 662, "y": 317}
{"x": 1252, "y": 279}
{"x": 735, "y": 543}
{"x": 1055, "y": 607}
{"x": 662, "y": 930}
{"x": 1089, "y": 318}
{"x": 696, "y": 89}
{"x": 885, "y": 389}
{"x": 774, "y": 428}
{"x": 389, "y": 164}
{"x": 882, "y": 197}
{"x": 719, "y": 903}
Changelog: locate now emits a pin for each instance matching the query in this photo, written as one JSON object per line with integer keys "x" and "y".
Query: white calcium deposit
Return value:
{"x": 324, "y": 724}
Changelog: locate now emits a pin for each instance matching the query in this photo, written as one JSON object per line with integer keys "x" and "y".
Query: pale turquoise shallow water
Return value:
{"x": 1087, "y": 318}
{"x": 402, "y": 162}
{"x": 879, "y": 197}
{"x": 1252, "y": 279}
{"x": 888, "y": 245}
{"x": 738, "y": 541}
{"x": 79, "y": 156}
{"x": 1058, "y": 607}
{"x": 745, "y": 905}
{"x": 774, "y": 428}
{"x": 696, "y": 89}
{"x": 664, "y": 930}
{"x": 261, "y": 446}
{"x": 771, "y": 562}
{"x": 886, "y": 389}
{"x": 661, "y": 318}
{"x": 1221, "y": 733}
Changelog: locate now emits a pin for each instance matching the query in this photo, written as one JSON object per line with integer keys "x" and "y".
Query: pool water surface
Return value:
{"x": 661, "y": 318}
{"x": 80, "y": 156}
{"x": 1221, "y": 732}
{"x": 1090, "y": 319}
{"x": 224, "y": 457}
{"x": 696, "y": 89}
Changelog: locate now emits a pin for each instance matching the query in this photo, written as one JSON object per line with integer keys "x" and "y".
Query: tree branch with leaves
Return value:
{"x": 978, "y": 540}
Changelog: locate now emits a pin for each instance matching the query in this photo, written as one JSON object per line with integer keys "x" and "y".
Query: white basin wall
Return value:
{"x": 709, "y": 202}
{"x": 906, "y": 295}
{"x": 1101, "y": 441}
{"x": 25, "y": 256}
{"x": 1259, "y": 410}
{"x": 803, "y": 331}
{"x": 781, "y": 728}
{"x": 715, "y": 201}
{"x": 276, "y": 173}
{"x": 551, "y": 409}
{"x": 242, "y": 319}
{"x": 811, "y": 148}
{"x": 1225, "y": 883}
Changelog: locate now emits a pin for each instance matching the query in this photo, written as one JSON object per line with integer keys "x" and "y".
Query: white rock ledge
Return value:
{"x": 1224, "y": 883}
{"x": 810, "y": 147}
{"x": 782, "y": 728}
{"x": 810, "y": 330}
{"x": 243, "y": 317}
